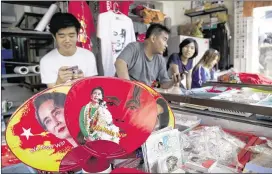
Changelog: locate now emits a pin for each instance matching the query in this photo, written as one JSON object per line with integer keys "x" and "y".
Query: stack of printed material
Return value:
{"x": 162, "y": 152}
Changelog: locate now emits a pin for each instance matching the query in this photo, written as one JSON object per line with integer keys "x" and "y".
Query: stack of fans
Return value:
{"x": 85, "y": 125}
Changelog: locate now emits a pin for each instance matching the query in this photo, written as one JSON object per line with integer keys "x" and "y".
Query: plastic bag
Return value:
{"x": 265, "y": 148}
{"x": 213, "y": 143}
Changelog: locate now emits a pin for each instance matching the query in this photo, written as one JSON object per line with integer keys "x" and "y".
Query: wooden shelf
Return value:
{"x": 206, "y": 12}
{"x": 25, "y": 33}
{"x": 17, "y": 75}
{"x": 10, "y": 111}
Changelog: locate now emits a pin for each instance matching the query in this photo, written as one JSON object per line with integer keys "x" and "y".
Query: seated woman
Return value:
{"x": 204, "y": 70}
{"x": 182, "y": 62}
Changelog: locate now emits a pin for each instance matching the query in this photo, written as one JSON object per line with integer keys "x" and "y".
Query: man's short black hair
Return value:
{"x": 57, "y": 97}
{"x": 63, "y": 20}
{"x": 156, "y": 29}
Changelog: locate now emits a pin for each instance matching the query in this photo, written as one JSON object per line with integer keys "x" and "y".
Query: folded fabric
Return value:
{"x": 247, "y": 78}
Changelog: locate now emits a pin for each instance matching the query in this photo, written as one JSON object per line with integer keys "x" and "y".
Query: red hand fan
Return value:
{"x": 79, "y": 159}
{"x": 126, "y": 170}
{"x": 37, "y": 134}
{"x": 111, "y": 117}
{"x": 74, "y": 160}
{"x": 165, "y": 113}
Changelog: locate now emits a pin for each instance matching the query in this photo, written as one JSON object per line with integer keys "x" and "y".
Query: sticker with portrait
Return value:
{"x": 166, "y": 116}
{"x": 37, "y": 130}
{"x": 107, "y": 114}
{"x": 169, "y": 164}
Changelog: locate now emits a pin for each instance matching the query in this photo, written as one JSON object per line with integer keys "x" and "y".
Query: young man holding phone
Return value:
{"x": 67, "y": 61}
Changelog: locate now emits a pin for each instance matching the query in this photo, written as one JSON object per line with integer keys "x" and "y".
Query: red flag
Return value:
{"x": 82, "y": 12}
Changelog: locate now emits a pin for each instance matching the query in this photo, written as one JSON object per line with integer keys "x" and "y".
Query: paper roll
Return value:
{"x": 46, "y": 17}
{"x": 34, "y": 69}
{"x": 21, "y": 70}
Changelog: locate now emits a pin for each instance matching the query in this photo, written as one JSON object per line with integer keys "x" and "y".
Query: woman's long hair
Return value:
{"x": 208, "y": 57}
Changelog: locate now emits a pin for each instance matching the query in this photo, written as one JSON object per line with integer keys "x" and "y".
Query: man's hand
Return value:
{"x": 78, "y": 74}
{"x": 64, "y": 75}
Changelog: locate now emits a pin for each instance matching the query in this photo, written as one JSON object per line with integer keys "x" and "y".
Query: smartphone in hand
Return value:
{"x": 74, "y": 69}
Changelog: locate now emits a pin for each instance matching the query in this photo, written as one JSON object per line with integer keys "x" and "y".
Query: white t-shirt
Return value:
{"x": 52, "y": 61}
{"x": 115, "y": 32}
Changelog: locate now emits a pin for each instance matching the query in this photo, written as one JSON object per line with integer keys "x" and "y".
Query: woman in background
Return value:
{"x": 204, "y": 70}
{"x": 182, "y": 62}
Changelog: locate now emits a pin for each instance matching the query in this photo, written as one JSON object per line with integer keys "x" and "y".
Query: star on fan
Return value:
{"x": 27, "y": 133}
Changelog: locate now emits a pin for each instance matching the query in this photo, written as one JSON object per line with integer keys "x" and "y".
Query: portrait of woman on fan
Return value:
{"x": 95, "y": 117}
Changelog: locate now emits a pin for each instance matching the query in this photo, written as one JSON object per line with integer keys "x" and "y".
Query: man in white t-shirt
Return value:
{"x": 56, "y": 65}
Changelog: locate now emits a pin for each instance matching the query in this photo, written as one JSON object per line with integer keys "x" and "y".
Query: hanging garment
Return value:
{"x": 219, "y": 41}
{"x": 123, "y": 6}
{"x": 115, "y": 32}
{"x": 82, "y": 12}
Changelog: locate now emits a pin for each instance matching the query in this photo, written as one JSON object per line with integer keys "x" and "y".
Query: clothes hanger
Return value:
{"x": 116, "y": 8}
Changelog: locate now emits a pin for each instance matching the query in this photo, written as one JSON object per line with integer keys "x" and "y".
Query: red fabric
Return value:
{"x": 82, "y": 12}
{"x": 249, "y": 78}
{"x": 7, "y": 157}
{"x": 141, "y": 37}
{"x": 126, "y": 170}
{"x": 215, "y": 89}
{"x": 105, "y": 6}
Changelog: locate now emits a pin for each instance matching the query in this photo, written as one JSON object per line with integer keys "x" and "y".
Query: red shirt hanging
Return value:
{"x": 105, "y": 6}
{"x": 82, "y": 12}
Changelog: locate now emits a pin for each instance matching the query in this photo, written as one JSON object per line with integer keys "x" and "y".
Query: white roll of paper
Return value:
{"x": 34, "y": 69}
{"x": 21, "y": 70}
{"x": 46, "y": 17}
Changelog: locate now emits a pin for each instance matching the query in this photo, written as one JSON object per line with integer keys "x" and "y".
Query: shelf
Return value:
{"x": 10, "y": 84}
{"x": 10, "y": 111}
{"x": 239, "y": 85}
{"x": 42, "y": 4}
{"x": 219, "y": 104}
{"x": 249, "y": 120}
{"x": 25, "y": 33}
{"x": 17, "y": 75}
{"x": 19, "y": 63}
{"x": 206, "y": 12}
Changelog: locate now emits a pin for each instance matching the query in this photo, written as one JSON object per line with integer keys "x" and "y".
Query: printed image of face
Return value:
{"x": 52, "y": 117}
{"x": 118, "y": 39}
{"x": 96, "y": 95}
{"x": 160, "y": 43}
{"x": 66, "y": 39}
{"x": 171, "y": 163}
{"x": 160, "y": 146}
{"x": 188, "y": 51}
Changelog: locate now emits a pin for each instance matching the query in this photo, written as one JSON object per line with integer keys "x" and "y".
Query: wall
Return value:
{"x": 176, "y": 10}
